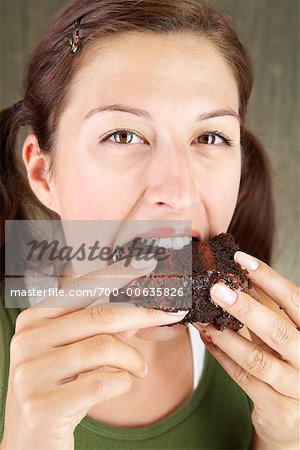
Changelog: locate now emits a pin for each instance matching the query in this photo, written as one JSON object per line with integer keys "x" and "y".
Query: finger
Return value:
{"x": 257, "y": 362}
{"x": 280, "y": 289}
{"x": 88, "y": 389}
{"x": 257, "y": 341}
{"x": 69, "y": 361}
{"x": 263, "y": 395}
{"x": 266, "y": 324}
{"x": 254, "y": 338}
{"x": 97, "y": 320}
{"x": 101, "y": 282}
{"x": 114, "y": 276}
{"x": 273, "y": 413}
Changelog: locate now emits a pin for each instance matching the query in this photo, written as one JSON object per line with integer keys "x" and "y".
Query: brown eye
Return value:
{"x": 124, "y": 137}
{"x": 210, "y": 139}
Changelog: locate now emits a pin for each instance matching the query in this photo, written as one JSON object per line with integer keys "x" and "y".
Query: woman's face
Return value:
{"x": 175, "y": 162}
{"x": 179, "y": 155}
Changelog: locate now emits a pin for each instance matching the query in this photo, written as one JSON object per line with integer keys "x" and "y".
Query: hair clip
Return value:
{"x": 16, "y": 107}
{"x": 74, "y": 41}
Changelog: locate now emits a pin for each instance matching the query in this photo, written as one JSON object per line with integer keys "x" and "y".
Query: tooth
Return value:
{"x": 178, "y": 243}
{"x": 165, "y": 242}
{"x": 152, "y": 241}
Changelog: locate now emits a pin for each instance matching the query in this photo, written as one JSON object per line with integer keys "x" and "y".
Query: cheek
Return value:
{"x": 220, "y": 194}
{"x": 92, "y": 190}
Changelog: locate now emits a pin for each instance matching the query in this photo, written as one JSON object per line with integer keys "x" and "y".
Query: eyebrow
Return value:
{"x": 147, "y": 115}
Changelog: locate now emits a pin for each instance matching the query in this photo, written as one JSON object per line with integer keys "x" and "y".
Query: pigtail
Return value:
{"x": 17, "y": 200}
{"x": 253, "y": 223}
{"x": 12, "y": 181}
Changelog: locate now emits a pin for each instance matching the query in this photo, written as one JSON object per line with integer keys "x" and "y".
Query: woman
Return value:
{"x": 137, "y": 111}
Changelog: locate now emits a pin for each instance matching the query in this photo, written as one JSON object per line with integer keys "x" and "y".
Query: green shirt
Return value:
{"x": 216, "y": 416}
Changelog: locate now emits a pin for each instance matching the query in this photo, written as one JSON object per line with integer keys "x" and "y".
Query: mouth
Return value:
{"x": 148, "y": 245}
{"x": 166, "y": 237}
{"x": 148, "y": 241}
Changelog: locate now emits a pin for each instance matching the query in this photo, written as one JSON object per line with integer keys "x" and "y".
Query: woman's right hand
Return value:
{"x": 61, "y": 360}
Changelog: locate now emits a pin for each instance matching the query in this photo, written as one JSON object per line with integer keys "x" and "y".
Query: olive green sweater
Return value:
{"x": 216, "y": 416}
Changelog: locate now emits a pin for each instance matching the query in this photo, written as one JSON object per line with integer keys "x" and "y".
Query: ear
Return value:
{"x": 38, "y": 174}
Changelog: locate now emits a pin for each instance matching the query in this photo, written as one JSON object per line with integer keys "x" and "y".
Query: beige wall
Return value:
{"x": 270, "y": 30}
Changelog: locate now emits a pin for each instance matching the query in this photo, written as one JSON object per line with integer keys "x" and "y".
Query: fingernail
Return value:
{"x": 206, "y": 337}
{"x": 201, "y": 324}
{"x": 224, "y": 294}
{"x": 246, "y": 261}
{"x": 178, "y": 313}
{"x": 143, "y": 263}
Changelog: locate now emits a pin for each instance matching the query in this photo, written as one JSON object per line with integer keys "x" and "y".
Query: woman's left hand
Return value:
{"x": 267, "y": 366}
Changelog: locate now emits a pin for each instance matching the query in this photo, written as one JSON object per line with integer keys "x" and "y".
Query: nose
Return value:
{"x": 171, "y": 181}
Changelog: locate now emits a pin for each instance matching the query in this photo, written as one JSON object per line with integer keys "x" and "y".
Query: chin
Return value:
{"x": 161, "y": 333}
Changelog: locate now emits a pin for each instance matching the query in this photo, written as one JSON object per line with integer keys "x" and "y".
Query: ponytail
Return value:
{"x": 253, "y": 223}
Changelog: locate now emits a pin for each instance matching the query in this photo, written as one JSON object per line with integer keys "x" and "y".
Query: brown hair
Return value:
{"x": 51, "y": 70}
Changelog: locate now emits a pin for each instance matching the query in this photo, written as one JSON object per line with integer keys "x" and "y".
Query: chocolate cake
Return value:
{"x": 185, "y": 277}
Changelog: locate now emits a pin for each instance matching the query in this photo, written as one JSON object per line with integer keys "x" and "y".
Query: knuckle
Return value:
{"x": 21, "y": 374}
{"x": 295, "y": 296}
{"x": 259, "y": 423}
{"x": 256, "y": 419}
{"x": 266, "y": 273}
{"x": 98, "y": 386}
{"x": 17, "y": 345}
{"x": 256, "y": 360}
{"x": 241, "y": 376}
{"x": 24, "y": 319}
{"x": 24, "y": 344}
{"x": 244, "y": 306}
{"x": 280, "y": 332}
{"x": 99, "y": 314}
{"x": 103, "y": 344}
{"x": 15, "y": 342}
{"x": 137, "y": 359}
{"x": 103, "y": 385}
{"x": 276, "y": 376}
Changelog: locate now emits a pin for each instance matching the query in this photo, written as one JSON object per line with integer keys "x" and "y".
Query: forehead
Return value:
{"x": 154, "y": 69}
